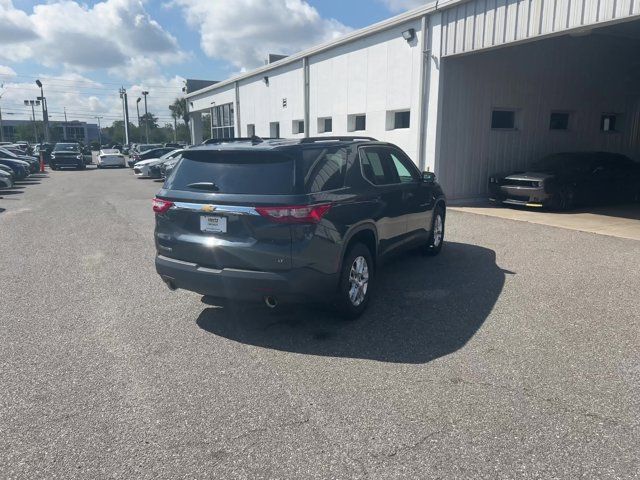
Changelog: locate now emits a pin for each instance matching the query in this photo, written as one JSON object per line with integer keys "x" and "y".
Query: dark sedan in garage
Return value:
{"x": 566, "y": 180}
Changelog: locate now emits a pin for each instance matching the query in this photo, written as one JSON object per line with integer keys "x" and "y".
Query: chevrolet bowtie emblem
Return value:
{"x": 208, "y": 208}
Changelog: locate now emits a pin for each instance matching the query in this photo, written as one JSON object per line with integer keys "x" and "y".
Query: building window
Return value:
{"x": 274, "y": 130}
{"x": 251, "y": 130}
{"x": 222, "y": 125}
{"x": 402, "y": 120}
{"x": 503, "y": 120}
{"x": 356, "y": 123}
{"x": 559, "y": 121}
{"x": 298, "y": 126}
{"x": 609, "y": 123}
{"x": 325, "y": 125}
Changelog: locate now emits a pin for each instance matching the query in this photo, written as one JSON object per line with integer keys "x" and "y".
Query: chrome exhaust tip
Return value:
{"x": 271, "y": 302}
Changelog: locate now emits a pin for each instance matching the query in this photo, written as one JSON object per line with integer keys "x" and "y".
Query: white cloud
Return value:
{"x": 84, "y": 99}
{"x": 243, "y": 32}
{"x": 6, "y": 73}
{"x": 403, "y": 5}
{"x": 112, "y": 33}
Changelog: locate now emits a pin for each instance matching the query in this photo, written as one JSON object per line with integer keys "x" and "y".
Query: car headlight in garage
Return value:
{"x": 79, "y": 157}
{"x": 53, "y": 155}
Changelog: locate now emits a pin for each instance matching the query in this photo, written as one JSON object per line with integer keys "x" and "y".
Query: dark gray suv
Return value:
{"x": 293, "y": 220}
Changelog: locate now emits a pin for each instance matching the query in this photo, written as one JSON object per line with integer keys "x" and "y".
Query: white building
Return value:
{"x": 465, "y": 87}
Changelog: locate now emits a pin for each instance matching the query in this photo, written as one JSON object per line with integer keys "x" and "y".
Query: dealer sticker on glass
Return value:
{"x": 213, "y": 224}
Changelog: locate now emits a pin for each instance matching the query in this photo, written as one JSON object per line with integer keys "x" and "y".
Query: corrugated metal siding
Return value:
{"x": 488, "y": 23}
{"x": 586, "y": 76}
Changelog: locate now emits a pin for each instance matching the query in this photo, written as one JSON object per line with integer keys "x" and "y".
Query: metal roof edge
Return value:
{"x": 355, "y": 35}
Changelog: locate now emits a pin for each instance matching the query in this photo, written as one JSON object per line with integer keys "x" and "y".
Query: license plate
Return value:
{"x": 213, "y": 224}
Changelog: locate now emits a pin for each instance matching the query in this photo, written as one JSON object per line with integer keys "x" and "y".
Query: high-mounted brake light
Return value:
{"x": 161, "y": 206}
{"x": 295, "y": 214}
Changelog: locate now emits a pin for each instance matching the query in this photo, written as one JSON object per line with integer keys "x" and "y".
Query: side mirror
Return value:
{"x": 428, "y": 177}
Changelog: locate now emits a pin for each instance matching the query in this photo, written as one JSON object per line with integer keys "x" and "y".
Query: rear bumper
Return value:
{"x": 297, "y": 285}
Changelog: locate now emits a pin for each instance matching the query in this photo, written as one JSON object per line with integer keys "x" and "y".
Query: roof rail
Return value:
{"x": 338, "y": 139}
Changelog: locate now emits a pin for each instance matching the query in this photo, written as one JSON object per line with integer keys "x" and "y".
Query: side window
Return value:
{"x": 406, "y": 172}
{"x": 377, "y": 166}
{"x": 323, "y": 169}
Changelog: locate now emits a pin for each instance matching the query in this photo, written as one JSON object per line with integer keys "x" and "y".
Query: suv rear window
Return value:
{"x": 322, "y": 169}
{"x": 253, "y": 173}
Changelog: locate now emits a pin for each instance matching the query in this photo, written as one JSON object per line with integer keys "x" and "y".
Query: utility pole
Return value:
{"x": 33, "y": 103}
{"x": 146, "y": 115}
{"x": 125, "y": 109}
{"x": 45, "y": 112}
{"x": 99, "y": 132}
{"x": 64, "y": 130}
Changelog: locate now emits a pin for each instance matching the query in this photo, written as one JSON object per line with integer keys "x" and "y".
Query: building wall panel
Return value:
{"x": 479, "y": 24}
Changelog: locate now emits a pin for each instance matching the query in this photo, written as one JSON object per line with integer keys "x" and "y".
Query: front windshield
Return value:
{"x": 66, "y": 147}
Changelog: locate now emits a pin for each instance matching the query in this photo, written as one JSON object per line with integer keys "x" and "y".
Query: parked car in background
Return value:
{"x": 297, "y": 220}
{"x": 167, "y": 167}
{"x": 6, "y": 179}
{"x": 67, "y": 155}
{"x": 20, "y": 168}
{"x": 111, "y": 157}
{"x": 150, "y": 168}
{"x": 566, "y": 180}
{"x": 6, "y": 152}
{"x": 148, "y": 154}
{"x": 173, "y": 145}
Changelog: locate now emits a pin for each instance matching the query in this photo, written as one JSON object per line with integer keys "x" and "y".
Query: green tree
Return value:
{"x": 179, "y": 110}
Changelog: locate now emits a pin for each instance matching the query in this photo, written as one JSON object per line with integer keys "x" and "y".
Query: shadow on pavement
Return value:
{"x": 423, "y": 308}
{"x": 14, "y": 191}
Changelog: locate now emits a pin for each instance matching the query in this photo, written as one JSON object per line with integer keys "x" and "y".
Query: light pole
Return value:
{"x": 146, "y": 115}
{"x": 99, "y": 132}
{"x": 45, "y": 112}
{"x": 33, "y": 103}
{"x": 138, "y": 110}
{"x": 125, "y": 112}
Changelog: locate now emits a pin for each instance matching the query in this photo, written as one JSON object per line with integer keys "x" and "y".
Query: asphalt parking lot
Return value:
{"x": 514, "y": 354}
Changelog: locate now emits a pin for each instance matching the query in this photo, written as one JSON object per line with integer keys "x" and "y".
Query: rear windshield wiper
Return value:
{"x": 204, "y": 186}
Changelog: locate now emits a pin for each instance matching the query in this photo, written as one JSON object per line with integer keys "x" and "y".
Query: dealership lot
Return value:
{"x": 512, "y": 354}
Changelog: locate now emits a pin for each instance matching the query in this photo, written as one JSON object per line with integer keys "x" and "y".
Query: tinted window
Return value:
{"x": 323, "y": 169}
{"x": 377, "y": 166}
{"x": 402, "y": 120}
{"x": 406, "y": 173}
{"x": 66, "y": 147}
{"x": 254, "y": 173}
{"x": 360, "y": 122}
{"x": 503, "y": 119}
{"x": 559, "y": 121}
{"x": 608, "y": 123}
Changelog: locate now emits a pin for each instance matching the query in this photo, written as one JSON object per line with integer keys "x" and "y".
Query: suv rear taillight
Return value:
{"x": 295, "y": 214}
{"x": 161, "y": 206}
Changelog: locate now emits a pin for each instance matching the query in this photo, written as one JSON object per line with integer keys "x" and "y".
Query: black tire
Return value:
{"x": 349, "y": 308}
{"x": 436, "y": 241}
{"x": 565, "y": 199}
{"x": 53, "y": 167}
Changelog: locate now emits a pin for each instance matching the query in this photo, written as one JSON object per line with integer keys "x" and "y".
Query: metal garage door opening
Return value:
{"x": 502, "y": 109}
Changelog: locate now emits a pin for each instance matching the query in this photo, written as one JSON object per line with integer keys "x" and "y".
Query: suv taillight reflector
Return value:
{"x": 161, "y": 206}
{"x": 295, "y": 214}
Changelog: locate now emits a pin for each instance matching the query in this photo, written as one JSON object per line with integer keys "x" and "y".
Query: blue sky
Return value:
{"x": 84, "y": 51}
